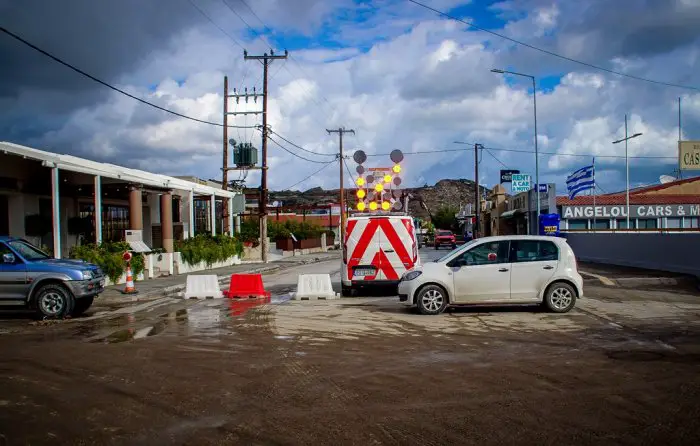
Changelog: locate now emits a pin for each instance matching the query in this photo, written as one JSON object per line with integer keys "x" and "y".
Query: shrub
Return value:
{"x": 208, "y": 249}
{"x": 108, "y": 256}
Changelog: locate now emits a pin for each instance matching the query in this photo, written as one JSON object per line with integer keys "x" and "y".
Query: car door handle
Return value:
{"x": 548, "y": 267}
{"x": 503, "y": 270}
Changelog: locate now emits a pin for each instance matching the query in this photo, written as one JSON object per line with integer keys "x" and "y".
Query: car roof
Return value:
{"x": 498, "y": 238}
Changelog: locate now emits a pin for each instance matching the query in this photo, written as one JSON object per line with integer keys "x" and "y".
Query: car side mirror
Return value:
{"x": 8, "y": 258}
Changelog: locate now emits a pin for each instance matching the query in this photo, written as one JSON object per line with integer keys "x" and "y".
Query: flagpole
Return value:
{"x": 627, "y": 177}
{"x": 594, "y": 193}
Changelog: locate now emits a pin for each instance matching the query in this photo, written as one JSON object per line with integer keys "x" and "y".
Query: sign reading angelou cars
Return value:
{"x": 636, "y": 211}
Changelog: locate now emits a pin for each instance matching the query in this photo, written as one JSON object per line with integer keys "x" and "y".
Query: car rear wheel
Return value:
{"x": 82, "y": 305}
{"x": 432, "y": 300}
{"x": 560, "y": 297}
{"x": 437, "y": 246}
{"x": 54, "y": 301}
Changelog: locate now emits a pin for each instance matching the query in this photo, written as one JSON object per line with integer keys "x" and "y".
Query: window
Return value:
{"x": 176, "y": 210}
{"x": 115, "y": 220}
{"x": 622, "y": 223}
{"x": 646, "y": 223}
{"x": 674, "y": 222}
{"x": 578, "y": 224}
{"x": 534, "y": 251}
{"x": 692, "y": 222}
{"x": 600, "y": 224}
{"x": 27, "y": 251}
{"x": 486, "y": 254}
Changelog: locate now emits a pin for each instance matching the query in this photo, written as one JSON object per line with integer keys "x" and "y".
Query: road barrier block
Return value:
{"x": 205, "y": 286}
{"x": 314, "y": 286}
{"x": 246, "y": 286}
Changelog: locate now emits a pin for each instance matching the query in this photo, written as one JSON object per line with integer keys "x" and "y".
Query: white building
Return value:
{"x": 50, "y": 199}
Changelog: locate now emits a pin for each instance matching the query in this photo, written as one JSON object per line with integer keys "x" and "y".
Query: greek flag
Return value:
{"x": 582, "y": 179}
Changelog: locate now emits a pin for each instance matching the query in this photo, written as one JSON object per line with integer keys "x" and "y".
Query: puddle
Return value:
{"x": 130, "y": 334}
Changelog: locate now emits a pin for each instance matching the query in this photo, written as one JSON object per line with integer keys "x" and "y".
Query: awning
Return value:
{"x": 511, "y": 214}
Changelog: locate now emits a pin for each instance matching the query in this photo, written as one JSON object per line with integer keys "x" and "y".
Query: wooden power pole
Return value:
{"x": 224, "y": 182}
{"x": 266, "y": 60}
{"x": 477, "y": 195}
{"x": 340, "y": 131}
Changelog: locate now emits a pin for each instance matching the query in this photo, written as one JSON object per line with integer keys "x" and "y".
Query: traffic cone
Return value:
{"x": 129, "y": 287}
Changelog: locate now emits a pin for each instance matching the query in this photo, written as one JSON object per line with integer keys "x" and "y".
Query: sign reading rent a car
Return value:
{"x": 636, "y": 211}
{"x": 689, "y": 155}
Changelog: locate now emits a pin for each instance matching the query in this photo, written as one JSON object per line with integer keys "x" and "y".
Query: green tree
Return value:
{"x": 444, "y": 218}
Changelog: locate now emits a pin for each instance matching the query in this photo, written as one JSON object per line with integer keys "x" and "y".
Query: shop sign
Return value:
{"x": 636, "y": 211}
{"x": 689, "y": 155}
{"x": 520, "y": 183}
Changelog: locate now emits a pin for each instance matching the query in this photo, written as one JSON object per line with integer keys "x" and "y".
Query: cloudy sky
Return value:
{"x": 398, "y": 74}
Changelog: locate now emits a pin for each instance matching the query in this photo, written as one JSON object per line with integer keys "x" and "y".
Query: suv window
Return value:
{"x": 534, "y": 251}
{"x": 489, "y": 253}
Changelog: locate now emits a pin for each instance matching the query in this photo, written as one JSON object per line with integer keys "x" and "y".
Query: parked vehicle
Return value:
{"x": 377, "y": 250}
{"x": 445, "y": 238}
{"x": 54, "y": 288}
{"x": 497, "y": 270}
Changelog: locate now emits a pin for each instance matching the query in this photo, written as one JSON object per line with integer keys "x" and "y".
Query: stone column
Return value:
{"x": 135, "y": 209}
{"x": 166, "y": 221}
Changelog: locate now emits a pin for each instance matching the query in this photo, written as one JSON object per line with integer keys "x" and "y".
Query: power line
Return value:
{"x": 268, "y": 30}
{"x": 101, "y": 82}
{"x": 295, "y": 154}
{"x": 351, "y": 176}
{"x": 298, "y": 146}
{"x": 208, "y": 17}
{"x": 299, "y": 182}
{"x": 494, "y": 157}
{"x": 585, "y": 155}
{"x": 551, "y": 53}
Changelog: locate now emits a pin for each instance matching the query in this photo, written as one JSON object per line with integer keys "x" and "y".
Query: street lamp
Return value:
{"x": 627, "y": 168}
{"x": 537, "y": 158}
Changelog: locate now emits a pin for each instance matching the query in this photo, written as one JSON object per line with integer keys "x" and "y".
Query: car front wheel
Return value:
{"x": 432, "y": 300}
{"x": 54, "y": 301}
{"x": 560, "y": 297}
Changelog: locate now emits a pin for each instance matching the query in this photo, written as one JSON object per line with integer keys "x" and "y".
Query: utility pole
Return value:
{"x": 224, "y": 182}
{"x": 266, "y": 60}
{"x": 477, "y": 195}
{"x": 340, "y": 132}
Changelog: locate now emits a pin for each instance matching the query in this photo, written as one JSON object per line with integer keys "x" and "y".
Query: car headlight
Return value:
{"x": 411, "y": 275}
{"x": 87, "y": 275}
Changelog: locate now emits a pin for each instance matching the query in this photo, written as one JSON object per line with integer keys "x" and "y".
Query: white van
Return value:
{"x": 377, "y": 250}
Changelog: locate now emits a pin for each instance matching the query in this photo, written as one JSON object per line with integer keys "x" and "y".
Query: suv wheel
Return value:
{"x": 560, "y": 297}
{"x": 432, "y": 300}
{"x": 81, "y": 305}
{"x": 54, "y": 301}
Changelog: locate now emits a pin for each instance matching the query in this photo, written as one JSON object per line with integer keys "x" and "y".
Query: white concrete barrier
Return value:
{"x": 205, "y": 286}
{"x": 314, "y": 286}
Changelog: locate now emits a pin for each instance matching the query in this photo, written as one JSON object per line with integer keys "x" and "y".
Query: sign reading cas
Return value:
{"x": 506, "y": 175}
{"x": 520, "y": 183}
{"x": 689, "y": 155}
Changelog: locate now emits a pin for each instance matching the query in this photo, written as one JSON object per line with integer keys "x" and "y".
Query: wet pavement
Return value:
{"x": 620, "y": 369}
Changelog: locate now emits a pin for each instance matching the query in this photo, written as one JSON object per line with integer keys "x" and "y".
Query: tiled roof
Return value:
{"x": 657, "y": 187}
{"x": 634, "y": 199}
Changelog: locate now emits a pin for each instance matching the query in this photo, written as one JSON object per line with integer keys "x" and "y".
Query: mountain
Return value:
{"x": 447, "y": 192}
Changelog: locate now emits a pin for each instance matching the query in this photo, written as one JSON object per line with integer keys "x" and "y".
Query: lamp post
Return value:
{"x": 537, "y": 158}
{"x": 627, "y": 168}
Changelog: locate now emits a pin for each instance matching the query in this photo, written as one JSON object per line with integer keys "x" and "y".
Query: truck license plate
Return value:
{"x": 361, "y": 272}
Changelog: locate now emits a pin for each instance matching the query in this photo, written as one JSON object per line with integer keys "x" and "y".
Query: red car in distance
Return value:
{"x": 445, "y": 238}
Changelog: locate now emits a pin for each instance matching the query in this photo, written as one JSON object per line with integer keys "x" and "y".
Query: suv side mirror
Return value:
{"x": 8, "y": 258}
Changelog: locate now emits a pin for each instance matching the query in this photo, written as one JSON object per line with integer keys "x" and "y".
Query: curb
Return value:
{"x": 633, "y": 282}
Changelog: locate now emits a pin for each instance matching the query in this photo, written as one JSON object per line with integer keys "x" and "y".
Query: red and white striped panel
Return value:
{"x": 384, "y": 232}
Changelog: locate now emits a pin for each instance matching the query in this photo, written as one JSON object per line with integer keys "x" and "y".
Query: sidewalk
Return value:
{"x": 164, "y": 286}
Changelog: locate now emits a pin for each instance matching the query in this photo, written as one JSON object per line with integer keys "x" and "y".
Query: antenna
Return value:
{"x": 666, "y": 179}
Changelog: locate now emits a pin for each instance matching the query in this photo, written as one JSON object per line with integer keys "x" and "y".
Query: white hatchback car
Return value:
{"x": 517, "y": 269}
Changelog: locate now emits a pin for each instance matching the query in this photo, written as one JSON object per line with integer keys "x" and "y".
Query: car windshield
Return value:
{"x": 459, "y": 248}
{"x": 444, "y": 233}
{"x": 27, "y": 251}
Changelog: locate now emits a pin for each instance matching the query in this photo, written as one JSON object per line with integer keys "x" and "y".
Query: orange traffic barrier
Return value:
{"x": 244, "y": 286}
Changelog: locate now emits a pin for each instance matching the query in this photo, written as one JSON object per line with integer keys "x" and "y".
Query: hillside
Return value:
{"x": 444, "y": 193}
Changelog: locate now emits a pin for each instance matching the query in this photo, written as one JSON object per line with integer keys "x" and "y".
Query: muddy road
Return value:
{"x": 621, "y": 369}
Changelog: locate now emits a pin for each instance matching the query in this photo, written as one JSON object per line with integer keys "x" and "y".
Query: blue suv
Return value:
{"x": 55, "y": 288}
